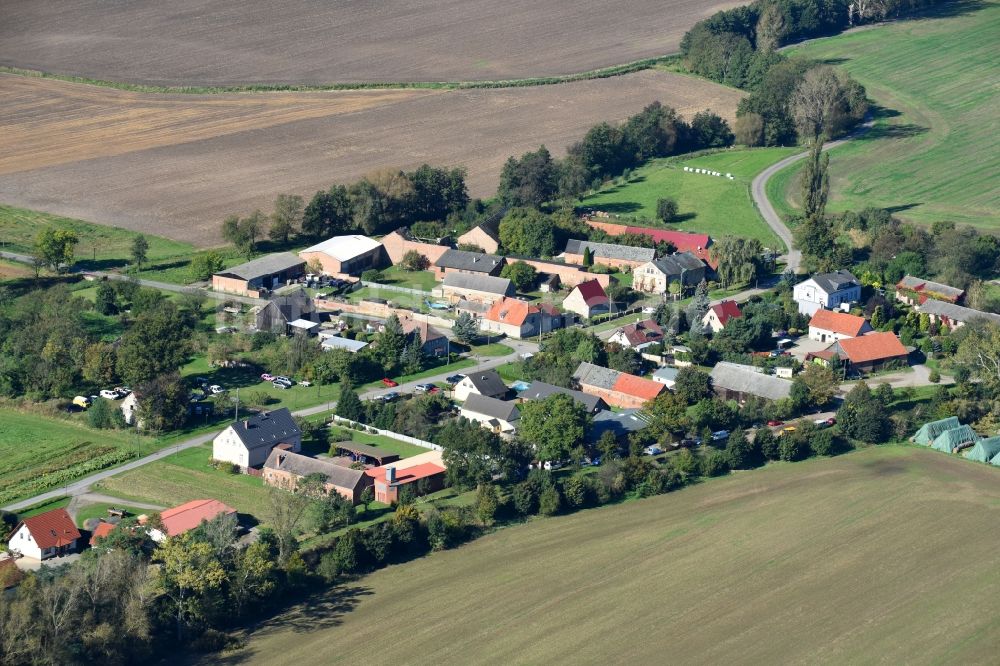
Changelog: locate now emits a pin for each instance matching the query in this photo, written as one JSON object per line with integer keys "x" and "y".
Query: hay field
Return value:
{"x": 888, "y": 555}
{"x": 934, "y": 152}
{"x": 177, "y": 165}
{"x": 191, "y": 42}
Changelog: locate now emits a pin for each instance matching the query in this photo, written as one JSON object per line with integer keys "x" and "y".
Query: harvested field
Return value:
{"x": 190, "y": 42}
{"x": 886, "y": 555}
{"x": 176, "y": 165}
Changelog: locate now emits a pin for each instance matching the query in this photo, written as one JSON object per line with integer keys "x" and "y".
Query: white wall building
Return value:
{"x": 248, "y": 442}
{"x": 826, "y": 290}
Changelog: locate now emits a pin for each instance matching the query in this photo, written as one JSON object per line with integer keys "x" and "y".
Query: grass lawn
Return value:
{"x": 187, "y": 476}
{"x": 57, "y": 503}
{"x": 492, "y": 349}
{"x": 402, "y": 449}
{"x": 850, "y": 546}
{"x": 100, "y": 510}
{"x": 397, "y": 298}
{"x": 100, "y": 247}
{"x": 11, "y": 270}
{"x": 934, "y": 153}
{"x": 716, "y": 206}
{"x": 248, "y": 381}
{"x": 510, "y": 372}
{"x": 396, "y": 276}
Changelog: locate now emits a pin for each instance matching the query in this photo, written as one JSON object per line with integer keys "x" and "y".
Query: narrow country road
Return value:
{"x": 82, "y": 486}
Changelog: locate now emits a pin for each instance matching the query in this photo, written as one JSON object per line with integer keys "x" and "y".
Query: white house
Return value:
{"x": 639, "y": 335}
{"x": 249, "y": 441}
{"x": 587, "y": 299}
{"x": 130, "y": 409}
{"x": 485, "y": 382}
{"x": 500, "y": 416}
{"x": 830, "y": 326}
{"x": 46, "y": 535}
{"x": 826, "y": 290}
{"x": 666, "y": 376}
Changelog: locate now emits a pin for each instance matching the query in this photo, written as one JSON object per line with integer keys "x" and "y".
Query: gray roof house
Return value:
{"x": 249, "y": 441}
{"x": 541, "y": 390}
{"x": 596, "y": 375}
{"x": 498, "y": 415}
{"x": 953, "y": 315}
{"x": 460, "y": 261}
{"x": 734, "y": 381}
{"x": 629, "y": 253}
{"x": 284, "y": 469}
{"x": 620, "y": 424}
{"x": 826, "y": 290}
{"x": 475, "y": 286}
{"x": 484, "y": 382}
{"x": 267, "y": 272}
{"x": 282, "y": 310}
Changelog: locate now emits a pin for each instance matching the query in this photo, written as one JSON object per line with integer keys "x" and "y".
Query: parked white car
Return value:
{"x": 215, "y": 389}
{"x": 109, "y": 394}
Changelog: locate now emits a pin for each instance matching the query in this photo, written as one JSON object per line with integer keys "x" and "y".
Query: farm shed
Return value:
{"x": 932, "y": 429}
{"x": 952, "y": 439}
{"x": 985, "y": 450}
{"x": 371, "y": 455}
{"x": 261, "y": 274}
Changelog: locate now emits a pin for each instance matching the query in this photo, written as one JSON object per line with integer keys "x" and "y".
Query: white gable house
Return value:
{"x": 248, "y": 442}
{"x": 827, "y": 290}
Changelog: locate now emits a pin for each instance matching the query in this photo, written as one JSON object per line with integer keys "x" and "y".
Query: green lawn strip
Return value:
{"x": 397, "y": 298}
{"x": 100, "y": 510}
{"x": 402, "y": 449}
{"x": 398, "y": 277}
{"x": 933, "y": 153}
{"x": 492, "y": 349}
{"x": 55, "y": 503}
{"x": 510, "y": 372}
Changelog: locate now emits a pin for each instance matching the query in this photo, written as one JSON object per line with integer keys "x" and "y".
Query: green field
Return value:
{"x": 934, "y": 152}
{"x": 716, "y": 206}
{"x": 888, "y": 554}
{"x": 38, "y": 452}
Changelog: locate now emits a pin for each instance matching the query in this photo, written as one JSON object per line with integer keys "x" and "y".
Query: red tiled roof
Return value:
{"x": 838, "y": 322}
{"x": 696, "y": 244}
{"x": 592, "y": 292}
{"x": 642, "y": 332}
{"x": 427, "y": 332}
{"x": 408, "y": 474}
{"x": 726, "y": 310}
{"x": 515, "y": 311}
{"x": 638, "y": 387}
{"x": 872, "y": 347}
{"x": 101, "y": 531}
{"x": 180, "y": 519}
{"x": 52, "y": 529}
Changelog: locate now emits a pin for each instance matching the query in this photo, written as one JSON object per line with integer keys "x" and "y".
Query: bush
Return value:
{"x": 549, "y": 503}
{"x": 372, "y": 275}
{"x": 716, "y": 464}
{"x": 934, "y": 377}
{"x": 666, "y": 209}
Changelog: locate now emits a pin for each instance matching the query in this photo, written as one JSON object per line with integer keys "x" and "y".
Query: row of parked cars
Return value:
{"x": 117, "y": 393}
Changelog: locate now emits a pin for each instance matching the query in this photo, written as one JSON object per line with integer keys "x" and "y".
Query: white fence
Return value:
{"x": 388, "y": 433}
{"x": 392, "y": 287}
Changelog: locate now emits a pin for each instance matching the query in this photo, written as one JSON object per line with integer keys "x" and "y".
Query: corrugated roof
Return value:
{"x": 266, "y": 265}
{"x": 337, "y": 342}
{"x": 345, "y": 248}
{"x": 478, "y": 262}
{"x": 838, "y": 322}
{"x": 610, "y": 251}
{"x": 955, "y": 312}
{"x": 301, "y": 466}
{"x": 51, "y": 529}
{"x": 489, "y": 284}
{"x": 871, "y": 347}
{"x": 619, "y": 424}
{"x": 492, "y": 407}
{"x": 189, "y": 515}
{"x": 748, "y": 380}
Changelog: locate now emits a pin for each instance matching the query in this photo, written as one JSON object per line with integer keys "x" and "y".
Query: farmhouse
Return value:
{"x": 620, "y": 424}
{"x": 684, "y": 241}
{"x": 618, "y": 389}
{"x": 486, "y": 237}
{"x": 475, "y": 288}
{"x": 569, "y": 275}
{"x": 341, "y": 256}
{"x": 587, "y": 299}
{"x": 435, "y": 343}
{"x": 826, "y": 290}
{"x": 423, "y": 473}
{"x": 655, "y": 276}
{"x": 399, "y": 242}
{"x": 519, "y": 319}
{"x": 639, "y": 335}
{"x": 46, "y": 535}
{"x": 485, "y": 382}
{"x": 720, "y": 314}
{"x": 284, "y": 469}
{"x": 499, "y": 416}
{"x": 130, "y": 410}
{"x": 248, "y": 442}
{"x": 280, "y": 311}
{"x": 260, "y": 275}
{"x": 607, "y": 254}
{"x": 870, "y": 352}
{"x": 472, "y": 263}
{"x": 914, "y": 291}
{"x": 734, "y": 381}
{"x": 540, "y": 390}
{"x": 186, "y": 517}
{"x": 830, "y": 326}
{"x": 953, "y": 316}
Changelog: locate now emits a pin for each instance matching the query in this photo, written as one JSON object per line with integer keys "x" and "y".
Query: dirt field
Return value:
{"x": 176, "y": 165}
{"x": 888, "y": 555}
{"x": 191, "y": 42}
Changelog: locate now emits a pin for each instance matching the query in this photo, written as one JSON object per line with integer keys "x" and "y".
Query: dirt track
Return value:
{"x": 191, "y": 42}
{"x": 176, "y": 165}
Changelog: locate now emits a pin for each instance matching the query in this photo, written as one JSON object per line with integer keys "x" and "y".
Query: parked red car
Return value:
{"x": 774, "y": 422}
{"x": 389, "y": 383}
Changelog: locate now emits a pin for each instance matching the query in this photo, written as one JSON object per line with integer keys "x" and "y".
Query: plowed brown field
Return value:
{"x": 192, "y": 42}
{"x": 176, "y": 165}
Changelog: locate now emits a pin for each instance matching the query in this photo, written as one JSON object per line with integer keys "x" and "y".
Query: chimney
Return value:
{"x": 246, "y": 423}
{"x": 390, "y": 475}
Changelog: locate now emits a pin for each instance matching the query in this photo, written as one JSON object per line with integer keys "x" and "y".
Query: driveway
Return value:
{"x": 918, "y": 376}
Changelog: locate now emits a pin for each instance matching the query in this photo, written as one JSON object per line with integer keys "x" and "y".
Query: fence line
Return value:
{"x": 392, "y": 287}
{"x": 389, "y": 433}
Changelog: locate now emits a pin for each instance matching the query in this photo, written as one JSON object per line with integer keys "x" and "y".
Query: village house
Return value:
{"x": 281, "y": 310}
{"x": 435, "y": 343}
{"x": 471, "y": 263}
{"x": 249, "y": 441}
{"x": 263, "y": 274}
{"x": 540, "y": 390}
{"x": 830, "y": 326}
{"x": 485, "y": 382}
{"x": 45, "y": 535}
{"x": 342, "y": 256}
{"x": 666, "y": 376}
{"x": 720, "y": 314}
{"x": 284, "y": 469}
{"x": 423, "y": 473}
{"x": 607, "y": 254}
{"x": 399, "y": 242}
{"x": 499, "y": 416}
{"x": 656, "y": 275}
{"x": 620, "y": 424}
{"x": 953, "y": 316}
{"x": 683, "y": 241}
{"x": 914, "y": 291}
{"x": 826, "y": 290}
{"x": 587, "y": 299}
{"x": 735, "y": 381}
{"x": 519, "y": 319}
{"x": 639, "y": 335}
{"x": 618, "y": 389}
{"x": 186, "y": 517}
{"x": 871, "y": 352}
{"x": 476, "y": 288}
{"x": 486, "y": 237}
{"x": 568, "y": 275}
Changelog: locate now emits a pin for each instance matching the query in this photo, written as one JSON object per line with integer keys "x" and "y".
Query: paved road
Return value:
{"x": 82, "y": 486}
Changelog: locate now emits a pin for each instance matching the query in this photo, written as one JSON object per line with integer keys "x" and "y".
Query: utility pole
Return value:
{"x": 236, "y": 414}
